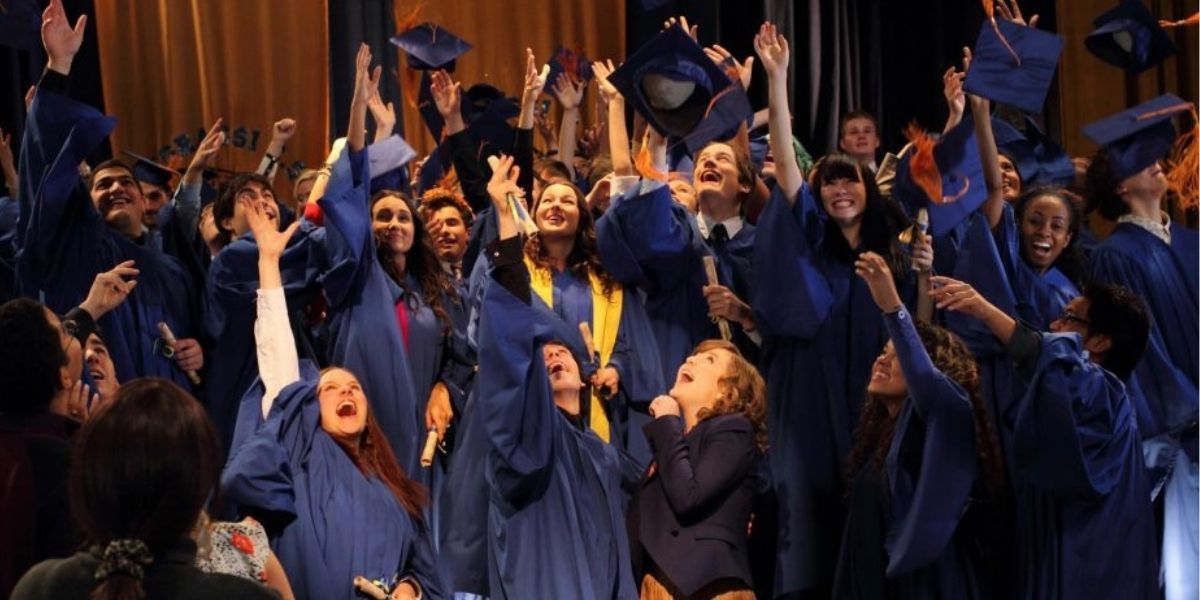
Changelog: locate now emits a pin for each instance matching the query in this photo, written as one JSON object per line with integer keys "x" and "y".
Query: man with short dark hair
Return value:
{"x": 1085, "y": 528}
{"x": 70, "y": 233}
{"x": 858, "y": 136}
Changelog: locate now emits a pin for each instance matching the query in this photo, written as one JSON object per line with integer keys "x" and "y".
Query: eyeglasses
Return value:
{"x": 70, "y": 327}
{"x": 1070, "y": 316}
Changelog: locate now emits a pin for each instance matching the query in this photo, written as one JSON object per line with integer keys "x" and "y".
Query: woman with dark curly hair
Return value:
{"x": 925, "y": 466}
{"x": 688, "y": 521}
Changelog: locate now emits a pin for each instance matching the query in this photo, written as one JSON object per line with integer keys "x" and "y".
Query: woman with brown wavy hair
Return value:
{"x": 312, "y": 464}
{"x": 566, "y": 275}
{"x": 925, "y": 474}
{"x": 690, "y": 517}
{"x": 142, "y": 470}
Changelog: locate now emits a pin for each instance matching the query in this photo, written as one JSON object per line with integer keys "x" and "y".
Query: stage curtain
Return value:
{"x": 172, "y": 67}
{"x": 500, "y": 32}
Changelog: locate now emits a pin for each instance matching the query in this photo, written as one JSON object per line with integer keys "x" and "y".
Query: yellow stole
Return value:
{"x": 606, "y": 318}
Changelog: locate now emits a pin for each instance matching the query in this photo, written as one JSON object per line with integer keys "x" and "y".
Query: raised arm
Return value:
{"x": 278, "y": 363}
{"x": 535, "y": 82}
{"x": 384, "y": 114}
{"x": 989, "y": 156}
{"x": 187, "y": 195}
{"x": 570, "y": 96}
{"x": 772, "y": 50}
{"x": 953, "y": 295}
{"x": 502, "y": 185}
{"x": 956, "y": 99}
{"x": 281, "y": 133}
{"x": 618, "y": 135}
{"x": 364, "y": 83}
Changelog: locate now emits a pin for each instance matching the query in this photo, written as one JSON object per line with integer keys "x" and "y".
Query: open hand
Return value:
{"x": 110, "y": 289}
{"x": 270, "y": 240}
{"x": 363, "y": 80}
{"x": 569, "y": 93}
{"x": 446, "y": 93}
{"x": 772, "y": 50}
{"x": 60, "y": 39}
{"x": 722, "y": 58}
{"x": 601, "y": 70}
{"x": 878, "y": 277}
{"x": 954, "y": 295}
{"x": 682, "y": 22}
{"x": 503, "y": 181}
{"x": 535, "y": 80}
{"x": 1011, "y": 11}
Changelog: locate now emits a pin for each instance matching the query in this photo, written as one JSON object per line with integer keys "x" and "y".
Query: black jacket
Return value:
{"x": 690, "y": 517}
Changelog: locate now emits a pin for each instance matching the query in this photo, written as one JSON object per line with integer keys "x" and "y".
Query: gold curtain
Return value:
{"x": 172, "y": 67}
{"x": 500, "y": 31}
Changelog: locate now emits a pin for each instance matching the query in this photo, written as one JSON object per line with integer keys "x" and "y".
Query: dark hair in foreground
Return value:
{"x": 1115, "y": 311}
{"x": 876, "y": 426}
{"x": 30, "y": 358}
{"x": 142, "y": 469}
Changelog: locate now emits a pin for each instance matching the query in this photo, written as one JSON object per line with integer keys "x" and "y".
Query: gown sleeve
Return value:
{"x": 1071, "y": 422}
{"x": 649, "y": 228}
{"x": 797, "y": 298}
{"x": 348, "y": 230}
{"x": 514, "y": 391}
{"x": 927, "y": 502}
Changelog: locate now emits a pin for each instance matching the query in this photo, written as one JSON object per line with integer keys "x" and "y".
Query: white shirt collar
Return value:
{"x": 1160, "y": 229}
{"x": 732, "y": 225}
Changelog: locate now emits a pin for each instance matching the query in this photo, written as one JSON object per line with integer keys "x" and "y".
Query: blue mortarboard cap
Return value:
{"x": 1128, "y": 36}
{"x": 670, "y": 81}
{"x": 726, "y": 114}
{"x": 1038, "y": 159}
{"x": 148, "y": 171}
{"x": 490, "y": 128}
{"x": 21, "y": 24}
{"x": 995, "y": 74}
{"x": 430, "y": 46}
{"x": 1138, "y": 137}
{"x": 389, "y": 154}
{"x": 963, "y": 188}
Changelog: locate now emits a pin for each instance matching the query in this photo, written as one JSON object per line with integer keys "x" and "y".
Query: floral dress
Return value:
{"x": 238, "y": 549}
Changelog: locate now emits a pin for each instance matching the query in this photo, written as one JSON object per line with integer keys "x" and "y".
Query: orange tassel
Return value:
{"x": 644, "y": 164}
{"x": 989, "y": 8}
{"x": 922, "y": 167}
{"x": 1183, "y": 175}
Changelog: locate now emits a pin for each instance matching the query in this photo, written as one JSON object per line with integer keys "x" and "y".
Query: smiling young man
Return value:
{"x": 858, "y": 136}
{"x": 74, "y": 232}
{"x": 449, "y": 220}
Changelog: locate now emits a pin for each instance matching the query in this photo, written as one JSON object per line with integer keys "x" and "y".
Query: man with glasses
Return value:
{"x": 1085, "y": 527}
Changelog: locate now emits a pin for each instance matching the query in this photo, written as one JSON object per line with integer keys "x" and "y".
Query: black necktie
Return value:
{"x": 718, "y": 236}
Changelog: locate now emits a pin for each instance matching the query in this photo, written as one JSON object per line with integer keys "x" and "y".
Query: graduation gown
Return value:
{"x": 363, "y": 300}
{"x": 9, "y": 212}
{"x": 64, "y": 243}
{"x": 648, "y": 241}
{"x": 556, "y": 522}
{"x": 907, "y": 538}
{"x": 821, "y": 334}
{"x": 1085, "y": 527}
{"x": 328, "y": 522}
{"x": 229, "y": 315}
{"x": 992, "y": 264}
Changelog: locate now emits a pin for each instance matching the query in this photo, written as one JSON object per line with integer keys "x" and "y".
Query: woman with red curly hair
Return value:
{"x": 688, "y": 521}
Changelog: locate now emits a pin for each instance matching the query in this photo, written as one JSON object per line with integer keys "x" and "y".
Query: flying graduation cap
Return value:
{"x": 430, "y": 46}
{"x": 1038, "y": 159}
{"x": 1013, "y": 64}
{"x": 671, "y": 82}
{"x": 1138, "y": 137}
{"x": 945, "y": 176}
{"x": 1129, "y": 36}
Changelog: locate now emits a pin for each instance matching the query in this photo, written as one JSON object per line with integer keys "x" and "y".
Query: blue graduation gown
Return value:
{"x": 63, "y": 243}
{"x": 340, "y": 523}
{"x": 1085, "y": 527}
{"x": 556, "y": 520}
{"x": 229, "y": 315}
{"x": 930, "y": 471}
{"x": 648, "y": 241}
{"x": 992, "y": 264}
{"x": 821, "y": 334}
{"x": 9, "y": 212}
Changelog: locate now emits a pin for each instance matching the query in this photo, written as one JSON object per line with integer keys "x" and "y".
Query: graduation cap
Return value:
{"x": 149, "y": 171}
{"x": 21, "y": 24}
{"x": 671, "y": 82}
{"x": 946, "y": 177}
{"x": 1038, "y": 159}
{"x": 1138, "y": 137}
{"x": 729, "y": 110}
{"x": 430, "y": 46}
{"x": 1129, "y": 36}
{"x": 574, "y": 64}
{"x": 1014, "y": 66}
